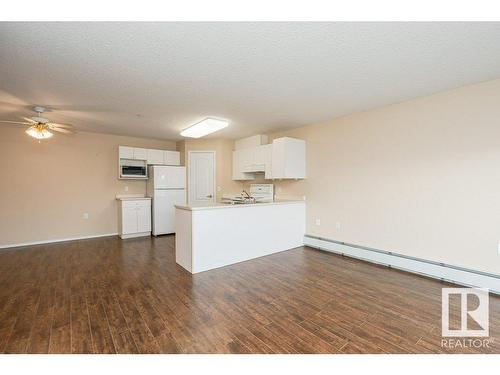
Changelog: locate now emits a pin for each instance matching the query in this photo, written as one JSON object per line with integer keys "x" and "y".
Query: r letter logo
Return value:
{"x": 479, "y": 314}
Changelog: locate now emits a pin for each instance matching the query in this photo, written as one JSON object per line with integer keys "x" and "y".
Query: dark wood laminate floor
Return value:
{"x": 112, "y": 296}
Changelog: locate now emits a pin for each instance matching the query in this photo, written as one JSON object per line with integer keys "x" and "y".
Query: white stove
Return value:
{"x": 262, "y": 192}
{"x": 259, "y": 193}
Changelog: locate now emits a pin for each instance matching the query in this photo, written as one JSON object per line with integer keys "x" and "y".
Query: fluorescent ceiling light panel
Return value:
{"x": 205, "y": 127}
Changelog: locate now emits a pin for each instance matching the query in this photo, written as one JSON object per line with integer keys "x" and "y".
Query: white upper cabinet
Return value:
{"x": 251, "y": 155}
{"x": 125, "y": 152}
{"x": 171, "y": 158}
{"x": 288, "y": 158}
{"x": 140, "y": 153}
{"x": 241, "y": 164}
{"x": 248, "y": 161}
{"x": 285, "y": 158}
{"x": 250, "y": 142}
{"x": 152, "y": 156}
{"x": 155, "y": 156}
{"x": 135, "y": 153}
{"x": 261, "y": 160}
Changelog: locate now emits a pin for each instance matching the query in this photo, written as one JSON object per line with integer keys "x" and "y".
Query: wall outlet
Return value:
{"x": 317, "y": 222}
{"x": 278, "y": 189}
{"x": 219, "y": 189}
{"x": 338, "y": 225}
{"x": 126, "y": 188}
{"x": 85, "y": 215}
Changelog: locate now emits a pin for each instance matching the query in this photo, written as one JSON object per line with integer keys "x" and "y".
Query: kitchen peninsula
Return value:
{"x": 214, "y": 236}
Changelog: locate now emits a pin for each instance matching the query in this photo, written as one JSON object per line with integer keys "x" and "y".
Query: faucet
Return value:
{"x": 248, "y": 197}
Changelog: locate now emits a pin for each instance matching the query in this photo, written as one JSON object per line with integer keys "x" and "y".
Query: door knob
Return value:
{"x": 209, "y": 196}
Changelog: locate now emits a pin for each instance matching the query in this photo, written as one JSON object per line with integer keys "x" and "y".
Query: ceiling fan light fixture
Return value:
{"x": 38, "y": 132}
{"x": 205, "y": 127}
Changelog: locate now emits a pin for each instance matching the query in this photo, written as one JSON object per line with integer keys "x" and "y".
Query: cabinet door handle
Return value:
{"x": 209, "y": 196}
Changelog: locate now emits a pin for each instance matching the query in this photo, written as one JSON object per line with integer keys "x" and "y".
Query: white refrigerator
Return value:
{"x": 167, "y": 187}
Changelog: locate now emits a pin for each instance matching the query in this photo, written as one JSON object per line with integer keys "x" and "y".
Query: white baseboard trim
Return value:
{"x": 14, "y": 245}
{"x": 424, "y": 267}
{"x": 135, "y": 235}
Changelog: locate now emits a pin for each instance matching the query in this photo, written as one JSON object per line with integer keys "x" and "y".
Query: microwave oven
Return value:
{"x": 133, "y": 169}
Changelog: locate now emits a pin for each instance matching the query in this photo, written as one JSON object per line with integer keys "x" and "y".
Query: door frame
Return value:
{"x": 188, "y": 190}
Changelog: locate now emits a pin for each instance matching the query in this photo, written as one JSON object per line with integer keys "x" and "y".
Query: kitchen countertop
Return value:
{"x": 225, "y": 205}
{"x": 131, "y": 197}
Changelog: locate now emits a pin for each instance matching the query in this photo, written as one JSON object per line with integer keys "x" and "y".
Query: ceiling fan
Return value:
{"x": 40, "y": 127}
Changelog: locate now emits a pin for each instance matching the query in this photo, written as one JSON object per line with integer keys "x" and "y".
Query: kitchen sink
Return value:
{"x": 238, "y": 201}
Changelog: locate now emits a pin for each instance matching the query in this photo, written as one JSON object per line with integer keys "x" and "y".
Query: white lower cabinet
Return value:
{"x": 134, "y": 218}
{"x": 128, "y": 220}
{"x": 144, "y": 218}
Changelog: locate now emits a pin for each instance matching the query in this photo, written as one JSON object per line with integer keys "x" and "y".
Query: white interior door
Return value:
{"x": 201, "y": 183}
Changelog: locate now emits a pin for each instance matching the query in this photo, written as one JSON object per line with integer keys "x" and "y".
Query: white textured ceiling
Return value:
{"x": 154, "y": 79}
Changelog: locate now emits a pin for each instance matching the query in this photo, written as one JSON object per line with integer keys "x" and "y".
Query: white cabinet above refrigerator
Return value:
{"x": 171, "y": 158}
{"x": 155, "y": 156}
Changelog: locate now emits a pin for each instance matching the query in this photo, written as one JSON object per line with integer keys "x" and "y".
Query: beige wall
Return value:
{"x": 420, "y": 178}
{"x": 46, "y": 187}
{"x": 224, "y": 159}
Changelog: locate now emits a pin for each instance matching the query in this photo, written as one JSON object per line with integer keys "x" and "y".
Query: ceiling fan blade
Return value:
{"x": 29, "y": 120}
{"x": 67, "y": 126}
{"x": 16, "y": 122}
{"x": 61, "y": 130}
